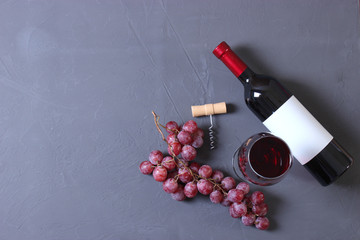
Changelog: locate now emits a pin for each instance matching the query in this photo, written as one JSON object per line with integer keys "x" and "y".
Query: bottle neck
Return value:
{"x": 246, "y": 76}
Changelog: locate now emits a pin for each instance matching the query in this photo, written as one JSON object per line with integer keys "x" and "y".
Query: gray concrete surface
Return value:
{"x": 78, "y": 82}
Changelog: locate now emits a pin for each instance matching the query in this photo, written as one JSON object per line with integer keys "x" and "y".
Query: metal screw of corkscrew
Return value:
{"x": 209, "y": 110}
{"x": 211, "y": 134}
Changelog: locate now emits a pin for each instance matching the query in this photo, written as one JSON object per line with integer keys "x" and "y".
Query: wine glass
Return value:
{"x": 263, "y": 159}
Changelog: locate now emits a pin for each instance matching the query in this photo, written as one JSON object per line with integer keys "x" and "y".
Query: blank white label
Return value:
{"x": 304, "y": 135}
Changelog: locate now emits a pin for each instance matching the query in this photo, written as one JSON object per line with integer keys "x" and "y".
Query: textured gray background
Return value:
{"x": 78, "y": 82}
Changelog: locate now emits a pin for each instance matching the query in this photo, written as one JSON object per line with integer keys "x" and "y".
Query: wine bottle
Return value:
{"x": 310, "y": 143}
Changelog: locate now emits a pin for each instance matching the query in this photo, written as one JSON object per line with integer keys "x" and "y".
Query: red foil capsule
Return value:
{"x": 229, "y": 58}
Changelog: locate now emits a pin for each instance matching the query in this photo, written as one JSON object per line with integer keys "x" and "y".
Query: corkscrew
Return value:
{"x": 209, "y": 110}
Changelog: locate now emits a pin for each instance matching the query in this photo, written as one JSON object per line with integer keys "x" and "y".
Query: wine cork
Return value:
{"x": 208, "y": 109}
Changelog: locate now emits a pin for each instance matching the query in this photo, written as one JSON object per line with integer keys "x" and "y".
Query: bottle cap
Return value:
{"x": 221, "y": 49}
{"x": 208, "y": 109}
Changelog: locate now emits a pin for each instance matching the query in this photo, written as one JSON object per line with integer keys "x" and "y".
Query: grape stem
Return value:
{"x": 195, "y": 176}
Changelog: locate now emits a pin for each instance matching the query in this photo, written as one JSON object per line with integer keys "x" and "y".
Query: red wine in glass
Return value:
{"x": 263, "y": 159}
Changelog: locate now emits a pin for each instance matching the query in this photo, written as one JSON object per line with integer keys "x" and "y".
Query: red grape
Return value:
{"x": 199, "y": 132}
{"x": 226, "y": 202}
{"x": 205, "y": 187}
{"x": 262, "y": 223}
{"x": 172, "y": 127}
{"x": 205, "y": 171}
{"x": 190, "y": 190}
{"x": 235, "y": 195}
{"x": 185, "y": 175}
{"x": 170, "y": 185}
{"x": 216, "y": 196}
{"x": 185, "y": 137}
{"x": 260, "y": 209}
{"x": 160, "y": 174}
{"x": 248, "y": 219}
{"x": 197, "y": 142}
{"x": 257, "y": 197}
{"x": 194, "y": 166}
{"x": 228, "y": 183}
{"x": 146, "y": 167}
{"x": 237, "y": 210}
{"x": 168, "y": 163}
{"x": 171, "y": 138}
{"x": 190, "y": 126}
{"x": 217, "y": 176}
{"x": 155, "y": 157}
{"x": 188, "y": 153}
{"x": 179, "y": 194}
{"x": 243, "y": 186}
{"x": 174, "y": 148}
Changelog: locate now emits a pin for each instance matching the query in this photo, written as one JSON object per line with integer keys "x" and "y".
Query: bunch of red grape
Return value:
{"x": 183, "y": 179}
